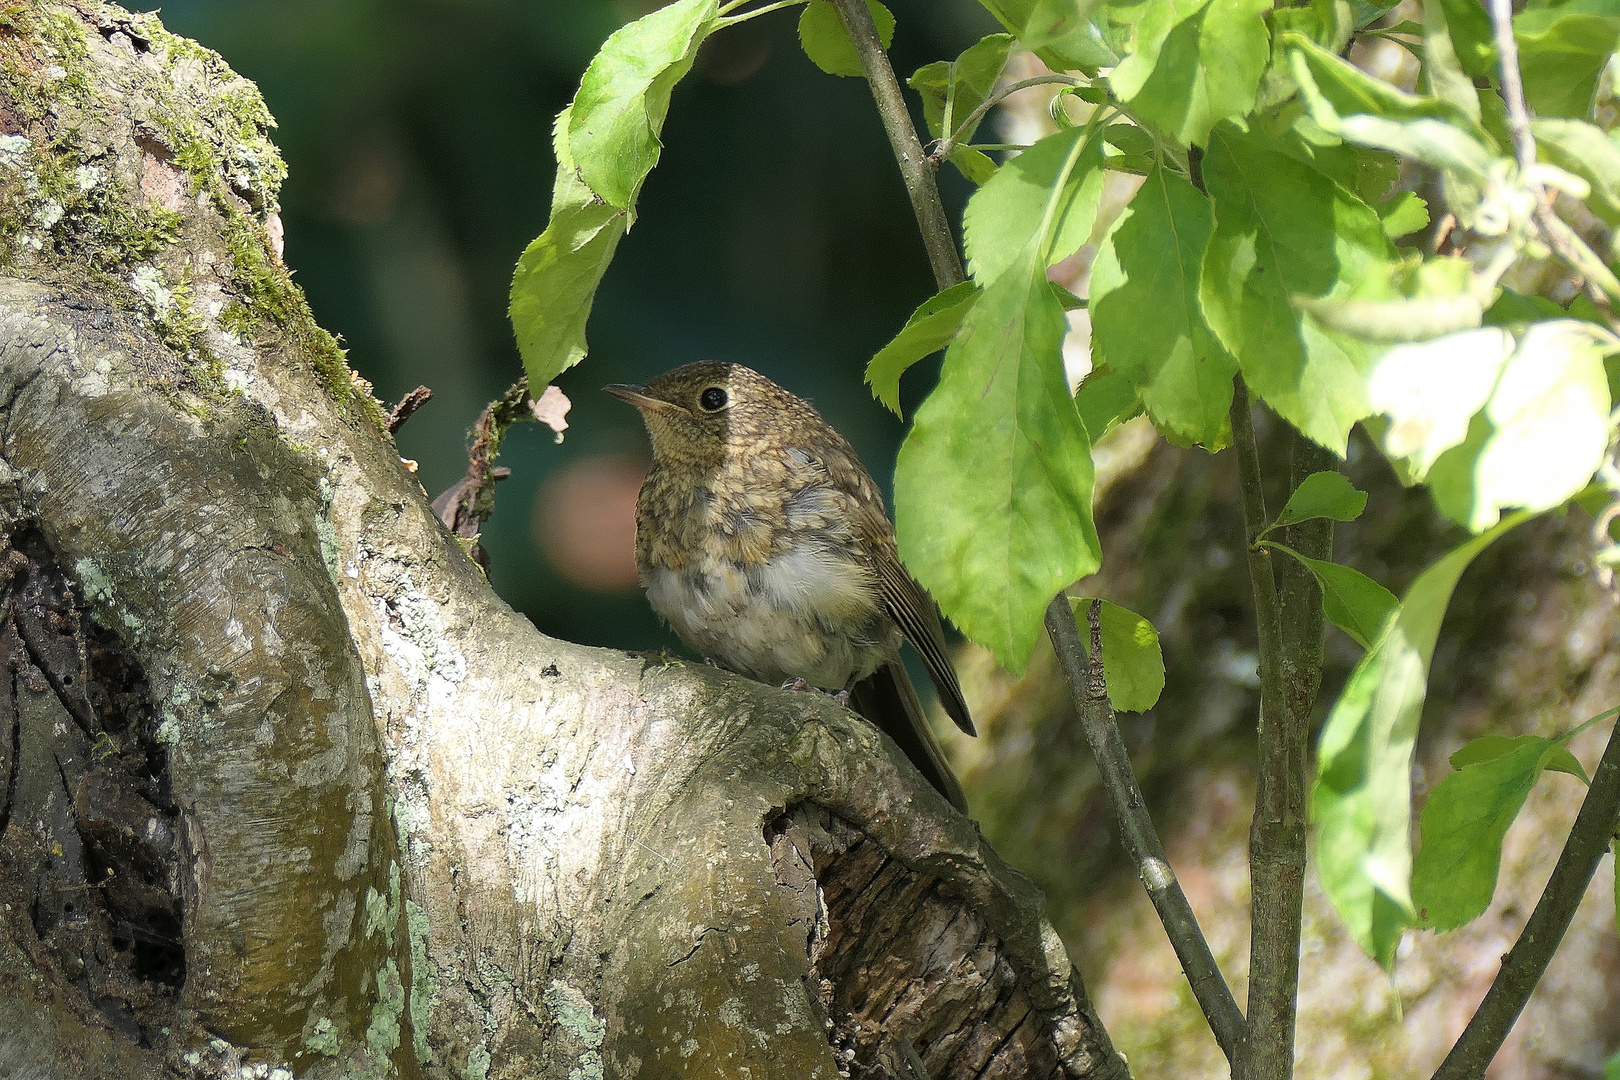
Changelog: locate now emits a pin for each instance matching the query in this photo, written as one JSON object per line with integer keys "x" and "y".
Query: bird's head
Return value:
{"x": 695, "y": 413}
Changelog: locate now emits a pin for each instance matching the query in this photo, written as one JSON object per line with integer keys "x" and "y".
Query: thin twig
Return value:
{"x": 733, "y": 20}
{"x": 1090, "y": 692}
{"x": 964, "y": 130}
{"x": 407, "y": 407}
{"x": 908, "y": 152}
{"x": 465, "y": 505}
{"x": 1527, "y": 961}
{"x": 1277, "y": 836}
{"x": 1507, "y": 48}
{"x": 1559, "y": 236}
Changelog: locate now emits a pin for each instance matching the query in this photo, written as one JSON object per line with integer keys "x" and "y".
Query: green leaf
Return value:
{"x": 821, "y": 33}
{"x": 1550, "y": 415}
{"x": 1585, "y": 150}
{"x": 993, "y": 484}
{"x": 1284, "y": 231}
{"x": 1441, "y": 67}
{"x": 1491, "y": 747}
{"x": 1145, "y": 317}
{"x": 1129, "y": 138}
{"x": 1561, "y": 56}
{"x": 930, "y": 328}
{"x": 1065, "y": 34}
{"x": 1403, "y": 213}
{"x": 1430, "y": 390}
{"x": 1559, "y": 759}
{"x": 1472, "y": 37}
{"x": 952, "y": 89}
{"x": 1007, "y": 212}
{"x": 1323, "y": 495}
{"x": 1132, "y": 661}
{"x": 1462, "y": 825}
{"x": 1408, "y": 301}
{"x": 1346, "y": 102}
{"x": 1194, "y": 64}
{"x": 624, "y": 95}
{"x": 1350, "y": 91}
{"x": 1325, "y": 22}
{"x": 556, "y": 279}
{"x": 973, "y": 164}
{"x": 1105, "y": 399}
{"x": 1361, "y": 801}
{"x": 1511, "y": 308}
{"x": 1351, "y": 600}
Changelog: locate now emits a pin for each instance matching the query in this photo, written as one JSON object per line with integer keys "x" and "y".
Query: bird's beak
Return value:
{"x": 635, "y": 396}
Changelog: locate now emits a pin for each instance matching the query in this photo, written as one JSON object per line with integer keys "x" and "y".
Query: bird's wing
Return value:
{"x": 887, "y": 698}
{"x": 913, "y": 611}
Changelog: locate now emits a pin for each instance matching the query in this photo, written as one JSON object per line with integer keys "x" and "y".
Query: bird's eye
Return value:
{"x": 713, "y": 399}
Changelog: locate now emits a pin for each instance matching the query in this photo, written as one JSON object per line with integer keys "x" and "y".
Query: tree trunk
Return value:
{"x": 285, "y": 788}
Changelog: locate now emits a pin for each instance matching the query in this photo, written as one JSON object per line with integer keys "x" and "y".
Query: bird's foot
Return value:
{"x": 841, "y": 698}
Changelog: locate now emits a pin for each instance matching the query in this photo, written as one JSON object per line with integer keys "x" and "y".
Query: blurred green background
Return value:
{"x": 774, "y": 232}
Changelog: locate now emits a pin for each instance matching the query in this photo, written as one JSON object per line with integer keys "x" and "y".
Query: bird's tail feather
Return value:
{"x": 887, "y": 699}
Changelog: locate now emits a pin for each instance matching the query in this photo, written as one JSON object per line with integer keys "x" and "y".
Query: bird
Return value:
{"x": 763, "y": 542}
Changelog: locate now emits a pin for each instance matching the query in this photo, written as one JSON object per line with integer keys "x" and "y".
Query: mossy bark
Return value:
{"x": 411, "y": 835}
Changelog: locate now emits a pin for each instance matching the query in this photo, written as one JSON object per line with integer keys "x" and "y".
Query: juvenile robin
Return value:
{"x": 762, "y": 540}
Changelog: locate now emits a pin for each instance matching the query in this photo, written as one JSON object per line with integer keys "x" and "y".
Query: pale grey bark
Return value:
{"x": 412, "y": 835}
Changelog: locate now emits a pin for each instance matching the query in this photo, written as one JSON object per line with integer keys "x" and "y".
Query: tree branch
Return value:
{"x": 1527, "y": 961}
{"x": 949, "y": 144}
{"x": 1559, "y": 236}
{"x": 1277, "y": 837}
{"x": 1141, "y": 841}
{"x": 915, "y": 170}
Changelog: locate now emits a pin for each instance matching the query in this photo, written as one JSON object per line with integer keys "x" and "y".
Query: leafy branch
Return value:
{"x": 963, "y": 131}
{"x": 1089, "y": 689}
{"x": 1527, "y": 961}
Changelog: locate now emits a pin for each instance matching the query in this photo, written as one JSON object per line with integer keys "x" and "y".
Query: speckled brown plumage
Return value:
{"x": 763, "y": 541}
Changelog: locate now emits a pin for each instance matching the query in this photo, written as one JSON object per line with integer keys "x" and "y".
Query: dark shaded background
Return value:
{"x": 774, "y": 232}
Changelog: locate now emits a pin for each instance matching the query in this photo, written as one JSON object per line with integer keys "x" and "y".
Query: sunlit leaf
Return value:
{"x": 993, "y": 484}
{"x": 1347, "y": 102}
{"x": 1403, "y": 213}
{"x": 959, "y": 86}
{"x": 1065, "y": 34}
{"x": 1561, "y": 55}
{"x": 1145, "y": 315}
{"x": 930, "y": 328}
{"x": 1588, "y": 152}
{"x": 1550, "y": 412}
{"x": 1132, "y": 661}
{"x": 1406, "y": 302}
{"x": 1431, "y": 390}
{"x": 1442, "y": 68}
{"x": 1472, "y": 37}
{"x": 624, "y": 95}
{"x": 827, "y": 44}
{"x": 1361, "y": 801}
{"x": 556, "y": 279}
{"x": 1016, "y": 204}
{"x": 1105, "y": 398}
{"x": 1194, "y": 64}
{"x": 1285, "y": 231}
